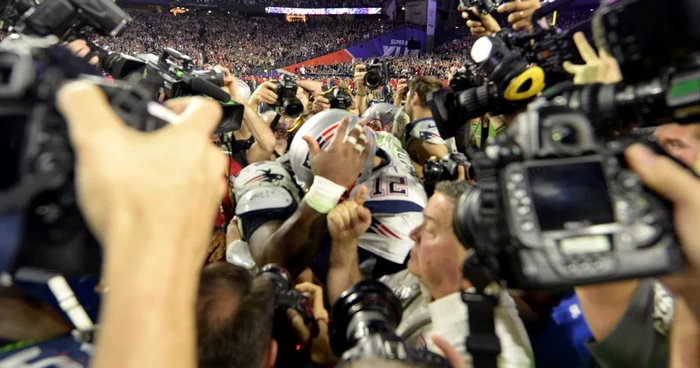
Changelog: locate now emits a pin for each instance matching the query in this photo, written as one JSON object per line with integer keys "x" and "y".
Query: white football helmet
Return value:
{"x": 380, "y": 116}
{"x": 243, "y": 89}
{"x": 322, "y": 127}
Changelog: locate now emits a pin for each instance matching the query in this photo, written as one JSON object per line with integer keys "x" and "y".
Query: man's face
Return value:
{"x": 437, "y": 250}
{"x": 679, "y": 141}
{"x": 408, "y": 107}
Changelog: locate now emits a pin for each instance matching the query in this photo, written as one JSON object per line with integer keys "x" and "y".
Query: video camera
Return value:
{"x": 44, "y": 228}
{"x": 482, "y": 7}
{"x": 557, "y": 181}
{"x": 172, "y": 72}
{"x": 660, "y": 65}
{"x": 377, "y": 74}
{"x": 57, "y": 17}
{"x": 287, "y": 98}
{"x": 512, "y": 83}
{"x": 339, "y": 98}
{"x": 290, "y": 353}
{"x": 366, "y": 316}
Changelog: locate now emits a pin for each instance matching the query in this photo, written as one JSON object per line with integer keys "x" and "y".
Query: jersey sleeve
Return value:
{"x": 425, "y": 130}
{"x": 640, "y": 338}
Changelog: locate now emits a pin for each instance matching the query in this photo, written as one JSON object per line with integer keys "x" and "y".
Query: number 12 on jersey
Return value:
{"x": 389, "y": 185}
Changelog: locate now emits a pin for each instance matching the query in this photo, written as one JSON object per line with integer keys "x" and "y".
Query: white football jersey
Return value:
{"x": 396, "y": 199}
{"x": 263, "y": 186}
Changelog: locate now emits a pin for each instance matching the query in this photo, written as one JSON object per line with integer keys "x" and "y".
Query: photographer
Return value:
{"x": 430, "y": 289}
{"x": 234, "y": 319}
{"x": 421, "y": 135}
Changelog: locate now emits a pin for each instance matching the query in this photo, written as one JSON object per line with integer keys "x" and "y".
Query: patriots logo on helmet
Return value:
{"x": 266, "y": 176}
{"x": 426, "y": 135}
{"x": 323, "y": 140}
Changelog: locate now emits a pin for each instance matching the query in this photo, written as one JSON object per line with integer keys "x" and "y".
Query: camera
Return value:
{"x": 290, "y": 353}
{"x": 366, "y": 316}
{"x": 44, "y": 227}
{"x": 512, "y": 83}
{"x": 213, "y": 76}
{"x": 446, "y": 169}
{"x": 339, "y": 98}
{"x": 44, "y": 18}
{"x": 287, "y": 97}
{"x": 661, "y": 68}
{"x": 482, "y": 6}
{"x": 559, "y": 207}
{"x": 377, "y": 74}
{"x": 467, "y": 77}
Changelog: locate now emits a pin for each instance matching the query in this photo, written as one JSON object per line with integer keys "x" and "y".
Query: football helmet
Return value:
{"x": 322, "y": 127}
{"x": 380, "y": 116}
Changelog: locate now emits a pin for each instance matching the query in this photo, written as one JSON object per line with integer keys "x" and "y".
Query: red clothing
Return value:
{"x": 228, "y": 202}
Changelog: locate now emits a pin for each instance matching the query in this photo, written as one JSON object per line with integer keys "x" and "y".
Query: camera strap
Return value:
{"x": 482, "y": 343}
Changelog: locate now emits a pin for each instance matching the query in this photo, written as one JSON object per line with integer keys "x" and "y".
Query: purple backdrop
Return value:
{"x": 391, "y": 44}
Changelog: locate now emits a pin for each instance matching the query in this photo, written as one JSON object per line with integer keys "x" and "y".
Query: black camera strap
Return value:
{"x": 482, "y": 342}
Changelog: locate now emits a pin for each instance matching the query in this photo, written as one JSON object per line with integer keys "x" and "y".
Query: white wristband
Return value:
{"x": 324, "y": 194}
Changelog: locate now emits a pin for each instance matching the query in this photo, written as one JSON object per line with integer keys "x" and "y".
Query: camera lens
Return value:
{"x": 564, "y": 134}
{"x": 372, "y": 79}
{"x": 466, "y": 217}
{"x": 293, "y": 107}
{"x": 277, "y": 276}
{"x": 368, "y": 307}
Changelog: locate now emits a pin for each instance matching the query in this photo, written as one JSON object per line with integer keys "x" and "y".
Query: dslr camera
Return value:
{"x": 559, "y": 207}
{"x": 287, "y": 298}
{"x": 287, "y": 97}
{"x": 446, "y": 169}
{"x": 377, "y": 74}
{"x": 366, "y": 316}
{"x": 339, "y": 98}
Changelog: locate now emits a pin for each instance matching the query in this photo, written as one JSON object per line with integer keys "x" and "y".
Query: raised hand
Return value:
{"x": 341, "y": 162}
{"x": 350, "y": 219}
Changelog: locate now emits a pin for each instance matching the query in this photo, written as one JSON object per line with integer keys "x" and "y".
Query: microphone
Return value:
{"x": 205, "y": 87}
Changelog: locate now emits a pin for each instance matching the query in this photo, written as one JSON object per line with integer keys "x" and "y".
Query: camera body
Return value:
{"x": 213, "y": 76}
{"x": 44, "y": 18}
{"x": 377, "y": 74}
{"x": 339, "y": 98}
{"x": 38, "y": 192}
{"x": 446, "y": 169}
{"x": 482, "y": 6}
{"x": 559, "y": 208}
{"x": 289, "y": 352}
{"x": 366, "y": 316}
{"x": 287, "y": 96}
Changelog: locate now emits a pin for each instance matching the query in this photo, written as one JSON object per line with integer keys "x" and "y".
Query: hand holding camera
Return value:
{"x": 318, "y": 338}
{"x": 194, "y": 172}
{"x": 321, "y": 103}
{"x": 599, "y": 68}
{"x": 401, "y": 91}
{"x": 360, "y": 72}
{"x": 265, "y": 93}
{"x": 485, "y": 26}
{"x": 520, "y": 12}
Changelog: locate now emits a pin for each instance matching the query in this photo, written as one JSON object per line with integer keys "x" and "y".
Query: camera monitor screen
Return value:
{"x": 570, "y": 196}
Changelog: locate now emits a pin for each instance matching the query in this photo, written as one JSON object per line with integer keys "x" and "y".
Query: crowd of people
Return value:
{"x": 246, "y": 45}
{"x": 311, "y": 3}
{"x": 331, "y": 229}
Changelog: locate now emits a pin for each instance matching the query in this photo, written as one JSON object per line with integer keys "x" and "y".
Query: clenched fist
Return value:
{"x": 350, "y": 219}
